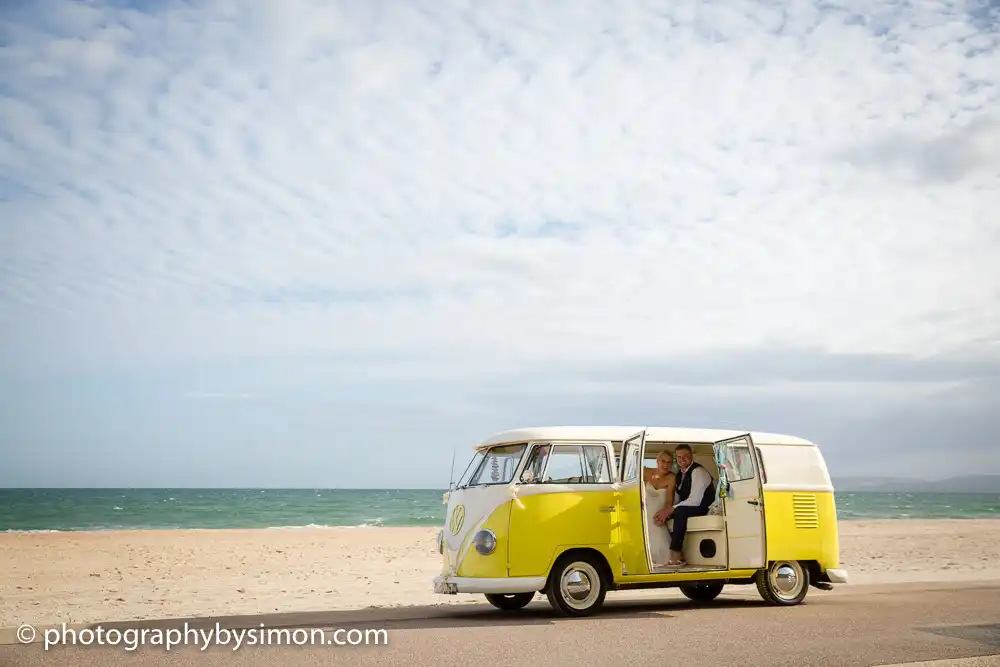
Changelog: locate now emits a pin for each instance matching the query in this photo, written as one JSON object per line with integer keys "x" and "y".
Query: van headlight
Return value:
{"x": 441, "y": 542}
{"x": 485, "y": 542}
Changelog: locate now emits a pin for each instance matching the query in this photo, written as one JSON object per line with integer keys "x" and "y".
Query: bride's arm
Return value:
{"x": 671, "y": 485}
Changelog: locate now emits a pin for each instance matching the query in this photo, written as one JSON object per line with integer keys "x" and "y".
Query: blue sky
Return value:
{"x": 310, "y": 243}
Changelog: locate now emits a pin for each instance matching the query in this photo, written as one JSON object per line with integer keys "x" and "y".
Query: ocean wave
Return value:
{"x": 15, "y": 531}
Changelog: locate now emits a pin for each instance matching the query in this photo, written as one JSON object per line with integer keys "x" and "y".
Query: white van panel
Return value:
{"x": 794, "y": 468}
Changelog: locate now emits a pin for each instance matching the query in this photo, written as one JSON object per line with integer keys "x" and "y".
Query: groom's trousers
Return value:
{"x": 679, "y": 530}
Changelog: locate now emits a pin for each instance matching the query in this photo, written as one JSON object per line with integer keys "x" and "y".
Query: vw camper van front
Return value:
{"x": 473, "y": 540}
{"x": 526, "y": 510}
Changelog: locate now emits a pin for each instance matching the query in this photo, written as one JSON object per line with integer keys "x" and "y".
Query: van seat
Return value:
{"x": 699, "y": 523}
{"x": 709, "y": 522}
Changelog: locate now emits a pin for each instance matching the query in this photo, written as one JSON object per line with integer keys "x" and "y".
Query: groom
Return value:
{"x": 693, "y": 497}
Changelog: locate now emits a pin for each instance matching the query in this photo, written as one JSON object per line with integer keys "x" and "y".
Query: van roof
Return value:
{"x": 621, "y": 433}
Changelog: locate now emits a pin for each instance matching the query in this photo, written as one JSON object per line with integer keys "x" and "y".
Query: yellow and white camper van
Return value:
{"x": 565, "y": 511}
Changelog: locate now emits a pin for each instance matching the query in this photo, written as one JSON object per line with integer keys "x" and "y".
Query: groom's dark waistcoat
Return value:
{"x": 684, "y": 488}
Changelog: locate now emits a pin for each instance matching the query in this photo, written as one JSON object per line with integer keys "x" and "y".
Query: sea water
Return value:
{"x": 116, "y": 509}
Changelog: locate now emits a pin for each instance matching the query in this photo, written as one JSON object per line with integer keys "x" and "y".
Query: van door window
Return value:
{"x": 739, "y": 465}
{"x": 578, "y": 464}
{"x": 532, "y": 473}
{"x": 631, "y": 464}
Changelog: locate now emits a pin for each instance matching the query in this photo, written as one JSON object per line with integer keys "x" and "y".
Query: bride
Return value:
{"x": 659, "y": 483}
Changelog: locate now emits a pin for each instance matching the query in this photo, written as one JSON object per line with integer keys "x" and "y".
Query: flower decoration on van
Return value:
{"x": 495, "y": 468}
{"x": 722, "y": 489}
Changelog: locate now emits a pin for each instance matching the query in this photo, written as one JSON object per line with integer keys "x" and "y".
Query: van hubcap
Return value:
{"x": 786, "y": 580}
{"x": 579, "y": 585}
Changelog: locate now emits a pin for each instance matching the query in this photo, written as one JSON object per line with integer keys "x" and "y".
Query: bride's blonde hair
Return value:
{"x": 665, "y": 454}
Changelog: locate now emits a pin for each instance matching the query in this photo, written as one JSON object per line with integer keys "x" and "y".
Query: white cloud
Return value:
{"x": 479, "y": 188}
{"x": 170, "y": 171}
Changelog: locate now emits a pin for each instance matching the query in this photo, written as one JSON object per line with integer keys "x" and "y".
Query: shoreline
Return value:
{"x": 124, "y": 575}
{"x": 365, "y": 527}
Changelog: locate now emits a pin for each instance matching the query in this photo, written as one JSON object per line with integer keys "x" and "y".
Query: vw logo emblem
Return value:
{"x": 457, "y": 519}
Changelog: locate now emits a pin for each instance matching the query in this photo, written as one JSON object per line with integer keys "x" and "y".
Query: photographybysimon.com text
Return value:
{"x": 130, "y": 639}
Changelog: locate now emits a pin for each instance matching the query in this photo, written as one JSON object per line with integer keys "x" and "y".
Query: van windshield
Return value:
{"x": 496, "y": 466}
{"x": 471, "y": 469}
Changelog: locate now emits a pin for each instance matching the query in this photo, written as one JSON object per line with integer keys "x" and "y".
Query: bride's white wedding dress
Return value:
{"x": 659, "y": 536}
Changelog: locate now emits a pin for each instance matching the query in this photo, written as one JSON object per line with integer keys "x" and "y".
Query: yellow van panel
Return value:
{"x": 629, "y": 535}
{"x": 546, "y": 524}
{"x": 802, "y": 525}
{"x": 476, "y": 565}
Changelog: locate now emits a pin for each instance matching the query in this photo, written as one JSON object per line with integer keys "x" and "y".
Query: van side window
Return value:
{"x": 739, "y": 465}
{"x": 597, "y": 469}
{"x": 578, "y": 464}
{"x": 760, "y": 461}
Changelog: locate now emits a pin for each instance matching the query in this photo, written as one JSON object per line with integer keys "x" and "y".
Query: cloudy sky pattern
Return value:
{"x": 309, "y": 243}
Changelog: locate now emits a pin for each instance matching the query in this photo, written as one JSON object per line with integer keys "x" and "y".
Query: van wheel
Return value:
{"x": 509, "y": 601}
{"x": 576, "y": 587}
{"x": 783, "y": 582}
{"x": 702, "y": 592}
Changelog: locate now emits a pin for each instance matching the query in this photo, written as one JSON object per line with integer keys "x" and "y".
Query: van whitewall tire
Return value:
{"x": 509, "y": 601}
{"x": 783, "y": 582}
{"x": 569, "y": 578}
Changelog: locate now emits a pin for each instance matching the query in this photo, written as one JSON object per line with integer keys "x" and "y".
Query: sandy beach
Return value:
{"x": 128, "y": 575}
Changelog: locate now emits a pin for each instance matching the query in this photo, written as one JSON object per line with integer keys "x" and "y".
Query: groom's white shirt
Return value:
{"x": 700, "y": 479}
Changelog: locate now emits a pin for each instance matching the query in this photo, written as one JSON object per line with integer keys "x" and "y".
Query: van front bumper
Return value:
{"x": 837, "y": 576}
{"x": 452, "y": 585}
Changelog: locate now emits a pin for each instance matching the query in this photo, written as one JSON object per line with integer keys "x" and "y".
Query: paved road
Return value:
{"x": 852, "y": 627}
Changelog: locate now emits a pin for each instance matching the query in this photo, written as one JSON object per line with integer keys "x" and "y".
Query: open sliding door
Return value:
{"x": 632, "y": 536}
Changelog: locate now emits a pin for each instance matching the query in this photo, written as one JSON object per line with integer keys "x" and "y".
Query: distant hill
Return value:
{"x": 963, "y": 484}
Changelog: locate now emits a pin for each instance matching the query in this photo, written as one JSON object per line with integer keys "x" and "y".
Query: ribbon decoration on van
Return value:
{"x": 722, "y": 489}
{"x": 513, "y": 496}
